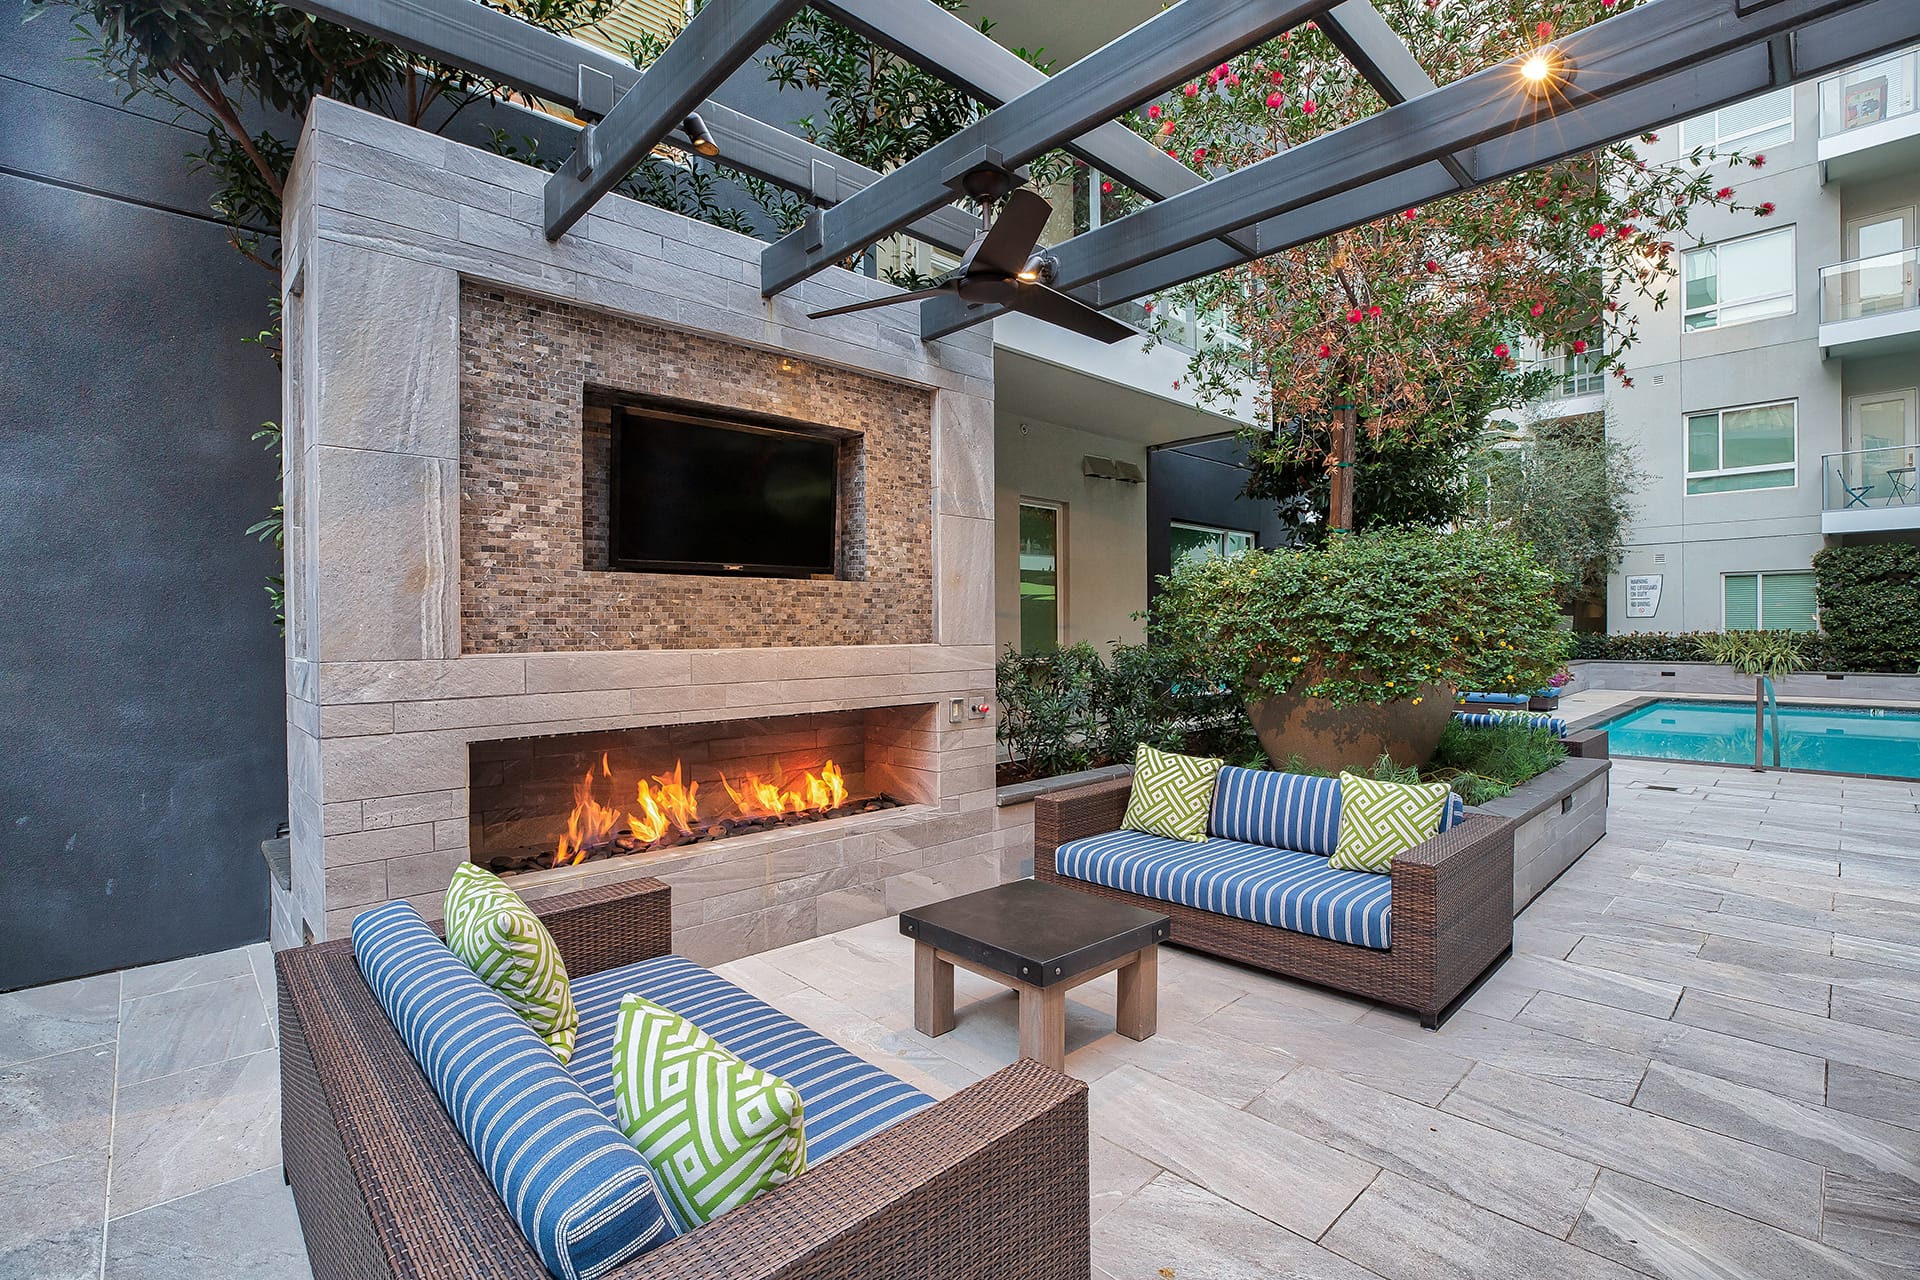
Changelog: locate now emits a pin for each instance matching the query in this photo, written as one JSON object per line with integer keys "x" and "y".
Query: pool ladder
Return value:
{"x": 1765, "y": 703}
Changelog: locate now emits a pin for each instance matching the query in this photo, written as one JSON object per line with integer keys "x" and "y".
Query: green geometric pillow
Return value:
{"x": 1171, "y": 794}
{"x": 490, "y": 928}
{"x": 1379, "y": 821}
{"x": 716, "y": 1131}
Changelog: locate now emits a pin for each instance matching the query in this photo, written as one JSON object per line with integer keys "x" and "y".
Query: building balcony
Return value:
{"x": 1870, "y": 119}
{"x": 1870, "y": 306}
{"x": 1870, "y": 490}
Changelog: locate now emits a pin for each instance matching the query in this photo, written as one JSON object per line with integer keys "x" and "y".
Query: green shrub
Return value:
{"x": 1368, "y": 617}
{"x": 1066, "y": 711}
{"x": 1689, "y": 646}
{"x": 1757, "y": 653}
{"x": 1486, "y": 763}
{"x": 1870, "y": 605}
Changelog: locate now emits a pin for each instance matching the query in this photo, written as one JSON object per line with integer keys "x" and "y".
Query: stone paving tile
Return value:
{"x": 1837, "y": 1041}
{"x": 1803, "y": 966}
{"x": 1574, "y": 1064}
{"x": 56, "y": 1107}
{"x": 1171, "y": 1227}
{"x": 1735, "y": 1175}
{"x": 243, "y": 1230}
{"x": 58, "y": 1018}
{"x": 1722, "y": 924}
{"x": 173, "y": 975}
{"x": 1404, "y": 1230}
{"x": 1696, "y": 972}
{"x": 1874, "y": 1094}
{"x": 1602, "y": 986}
{"x": 195, "y": 1129}
{"x": 1874, "y": 1217}
{"x": 1113, "y": 1174}
{"x": 1901, "y": 955}
{"x": 1675, "y": 1237}
{"x": 1376, "y": 1056}
{"x": 1482, "y": 1166}
{"x": 51, "y": 1218}
{"x": 1902, "y": 1017}
{"x": 191, "y": 1027}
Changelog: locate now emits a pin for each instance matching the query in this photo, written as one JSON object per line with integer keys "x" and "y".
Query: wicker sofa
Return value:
{"x": 991, "y": 1182}
{"x": 1441, "y": 919}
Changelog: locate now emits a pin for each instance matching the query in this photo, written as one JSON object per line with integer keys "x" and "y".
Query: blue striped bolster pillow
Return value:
{"x": 1294, "y": 811}
{"x": 581, "y": 1194}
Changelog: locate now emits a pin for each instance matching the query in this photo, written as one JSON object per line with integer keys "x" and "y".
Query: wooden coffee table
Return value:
{"x": 1042, "y": 940}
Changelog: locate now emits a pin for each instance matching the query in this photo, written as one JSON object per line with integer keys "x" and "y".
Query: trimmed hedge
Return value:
{"x": 1677, "y": 646}
{"x": 1870, "y": 606}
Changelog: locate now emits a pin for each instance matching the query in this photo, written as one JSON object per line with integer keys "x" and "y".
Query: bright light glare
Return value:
{"x": 1537, "y": 68}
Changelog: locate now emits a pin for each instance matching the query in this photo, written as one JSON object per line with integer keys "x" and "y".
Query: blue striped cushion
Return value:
{"x": 1281, "y": 887}
{"x": 580, "y": 1193}
{"x": 845, "y": 1097}
{"x": 1532, "y": 719}
{"x": 1288, "y": 810}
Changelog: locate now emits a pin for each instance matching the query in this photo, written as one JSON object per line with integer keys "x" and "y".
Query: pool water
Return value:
{"x": 1872, "y": 740}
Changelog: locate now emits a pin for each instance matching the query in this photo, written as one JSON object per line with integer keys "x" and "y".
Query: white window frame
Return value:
{"x": 1791, "y": 293}
{"x": 1219, "y": 531}
{"x": 1760, "y": 577}
{"x": 1721, "y": 140}
{"x": 1791, "y": 466}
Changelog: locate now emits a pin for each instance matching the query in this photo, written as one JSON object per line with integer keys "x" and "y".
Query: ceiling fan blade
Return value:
{"x": 1058, "y": 308}
{"x": 1010, "y": 240}
{"x": 918, "y": 295}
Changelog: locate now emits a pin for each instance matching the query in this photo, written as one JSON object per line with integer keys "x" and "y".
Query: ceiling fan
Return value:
{"x": 1000, "y": 267}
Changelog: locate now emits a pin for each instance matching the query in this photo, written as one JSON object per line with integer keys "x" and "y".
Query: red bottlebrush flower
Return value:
{"x": 1106, "y": 188}
{"x": 1166, "y": 128}
{"x": 1544, "y": 32}
{"x": 1174, "y": 154}
{"x": 1765, "y": 210}
{"x": 1724, "y": 193}
{"x": 1176, "y": 384}
{"x": 1147, "y": 307}
{"x": 1153, "y": 112}
{"x": 1759, "y": 161}
{"x": 1191, "y": 90}
{"x": 1276, "y": 101}
{"x": 1213, "y": 78}
{"x": 1409, "y": 214}
{"x": 1355, "y": 316}
{"x": 1596, "y": 231}
{"x": 1500, "y": 350}
{"x": 1199, "y": 154}
{"x": 1579, "y": 346}
{"x": 1325, "y": 351}
{"x": 1232, "y": 82}
{"x": 1433, "y": 268}
{"x": 1278, "y": 77}
{"x": 1613, "y": 306}
{"x": 1649, "y": 138}
{"x": 1309, "y": 106}
{"x": 1608, "y": 4}
{"x": 1538, "y": 309}
{"x": 1223, "y": 71}
{"x": 1373, "y": 313}
{"x": 1556, "y": 217}
{"x": 1539, "y": 202}
{"x": 1627, "y": 383}
{"x": 1625, "y": 231}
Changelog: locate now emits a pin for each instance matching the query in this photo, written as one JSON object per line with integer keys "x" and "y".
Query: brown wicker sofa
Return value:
{"x": 1452, "y": 909}
{"x": 991, "y": 1182}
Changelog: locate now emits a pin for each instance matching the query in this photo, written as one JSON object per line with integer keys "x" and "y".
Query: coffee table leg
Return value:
{"x": 932, "y": 991}
{"x": 1043, "y": 1025}
{"x": 1137, "y": 1013}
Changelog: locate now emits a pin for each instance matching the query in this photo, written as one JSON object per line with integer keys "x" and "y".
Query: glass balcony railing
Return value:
{"x": 1869, "y": 287}
{"x": 1867, "y": 479}
{"x": 1868, "y": 94}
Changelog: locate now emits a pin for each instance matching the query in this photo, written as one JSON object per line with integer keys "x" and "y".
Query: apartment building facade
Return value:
{"x": 1773, "y": 397}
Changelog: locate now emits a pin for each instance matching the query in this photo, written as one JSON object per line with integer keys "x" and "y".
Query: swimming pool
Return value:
{"x": 1872, "y": 740}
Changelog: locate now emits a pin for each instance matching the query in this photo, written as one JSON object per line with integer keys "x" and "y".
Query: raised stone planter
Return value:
{"x": 1712, "y": 678}
{"x": 1556, "y": 817}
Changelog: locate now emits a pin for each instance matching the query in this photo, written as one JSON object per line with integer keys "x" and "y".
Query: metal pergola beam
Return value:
{"x": 945, "y": 46}
{"x": 1363, "y": 37}
{"x": 1639, "y": 70}
{"x": 1144, "y": 62}
{"x": 713, "y": 46}
{"x": 589, "y": 80}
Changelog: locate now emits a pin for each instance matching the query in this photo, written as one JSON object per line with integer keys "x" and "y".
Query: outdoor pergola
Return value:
{"x": 1659, "y": 62}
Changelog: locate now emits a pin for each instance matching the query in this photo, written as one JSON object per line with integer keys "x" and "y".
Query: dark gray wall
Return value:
{"x": 1200, "y": 483}
{"x": 142, "y": 752}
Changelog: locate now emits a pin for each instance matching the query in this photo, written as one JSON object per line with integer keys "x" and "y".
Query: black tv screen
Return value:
{"x": 695, "y": 496}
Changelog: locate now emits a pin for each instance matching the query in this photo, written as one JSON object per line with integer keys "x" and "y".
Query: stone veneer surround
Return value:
{"x": 386, "y": 230}
{"x": 529, "y": 368}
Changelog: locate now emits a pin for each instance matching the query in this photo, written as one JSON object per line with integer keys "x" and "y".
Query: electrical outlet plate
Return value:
{"x": 956, "y": 710}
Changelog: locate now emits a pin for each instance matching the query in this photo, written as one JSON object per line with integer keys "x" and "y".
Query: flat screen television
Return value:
{"x": 694, "y": 495}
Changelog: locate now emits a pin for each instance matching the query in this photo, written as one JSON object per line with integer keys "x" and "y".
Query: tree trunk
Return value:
{"x": 1340, "y": 498}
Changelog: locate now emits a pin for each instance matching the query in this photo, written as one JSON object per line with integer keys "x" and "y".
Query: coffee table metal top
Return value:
{"x": 1038, "y": 933}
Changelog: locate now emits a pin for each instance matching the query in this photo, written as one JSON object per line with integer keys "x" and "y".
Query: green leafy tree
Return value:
{"x": 1384, "y": 327}
{"x": 1567, "y": 487}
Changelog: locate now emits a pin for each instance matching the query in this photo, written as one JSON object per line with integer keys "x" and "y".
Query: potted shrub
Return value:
{"x": 1354, "y": 650}
{"x": 1764, "y": 655}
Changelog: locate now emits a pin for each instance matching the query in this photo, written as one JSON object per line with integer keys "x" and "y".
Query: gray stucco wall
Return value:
{"x": 140, "y": 672}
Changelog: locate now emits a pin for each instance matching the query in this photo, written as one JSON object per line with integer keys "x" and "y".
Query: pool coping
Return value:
{"x": 1618, "y": 710}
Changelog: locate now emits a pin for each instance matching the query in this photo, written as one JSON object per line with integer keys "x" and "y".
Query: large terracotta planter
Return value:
{"x": 1321, "y": 735}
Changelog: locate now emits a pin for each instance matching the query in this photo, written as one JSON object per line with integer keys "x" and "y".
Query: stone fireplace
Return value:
{"x": 466, "y": 674}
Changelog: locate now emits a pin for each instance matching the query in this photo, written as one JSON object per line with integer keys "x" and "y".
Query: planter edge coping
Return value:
{"x": 1538, "y": 794}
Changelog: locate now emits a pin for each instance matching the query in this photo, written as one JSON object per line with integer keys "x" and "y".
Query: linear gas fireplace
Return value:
{"x": 542, "y": 803}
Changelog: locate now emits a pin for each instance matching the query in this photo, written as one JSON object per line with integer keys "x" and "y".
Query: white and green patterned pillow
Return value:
{"x": 500, "y": 938}
{"x": 715, "y": 1131}
{"x": 1379, "y": 821}
{"x": 1172, "y": 794}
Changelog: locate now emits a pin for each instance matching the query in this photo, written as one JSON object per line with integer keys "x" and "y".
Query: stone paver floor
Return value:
{"x": 1703, "y": 1060}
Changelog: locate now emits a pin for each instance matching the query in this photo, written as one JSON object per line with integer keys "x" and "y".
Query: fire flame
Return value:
{"x": 670, "y": 803}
